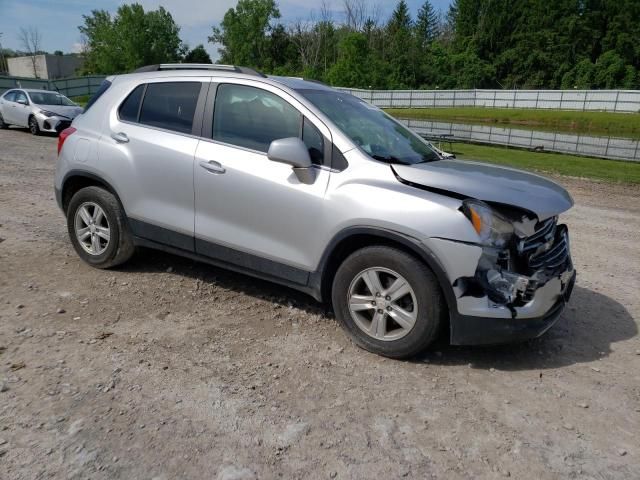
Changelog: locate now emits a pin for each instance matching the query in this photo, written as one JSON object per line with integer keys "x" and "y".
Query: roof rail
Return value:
{"x": 198, "y": 66}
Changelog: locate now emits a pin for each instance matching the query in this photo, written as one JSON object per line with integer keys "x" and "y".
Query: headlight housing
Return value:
{"x": 493, "y": 229}
{"x": 47, "y": 113}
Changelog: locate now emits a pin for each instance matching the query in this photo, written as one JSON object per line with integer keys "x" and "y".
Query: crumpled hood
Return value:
{"x": 70, "y": 112}
{"x": 489, "y": 183}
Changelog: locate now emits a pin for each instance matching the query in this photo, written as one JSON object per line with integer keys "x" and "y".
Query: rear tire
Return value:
{"x": 388, "y": 301}
{"x": 34, "y": 128}
{"x": 98, "y": 228}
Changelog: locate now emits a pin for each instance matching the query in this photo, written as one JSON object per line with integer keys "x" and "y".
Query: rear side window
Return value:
{"x": 170, "y": 105}
{"x": 252, "y": 118}
{"x": 10, "y": 97}
{"x": 128, "y": 111}
{"x": 104, "y": 86}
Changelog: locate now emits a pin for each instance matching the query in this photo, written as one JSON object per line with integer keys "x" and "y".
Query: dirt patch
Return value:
{"x": 166, "y": 368}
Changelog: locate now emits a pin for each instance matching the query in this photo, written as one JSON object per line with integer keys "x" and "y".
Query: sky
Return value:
{"x": 58, "y": 20}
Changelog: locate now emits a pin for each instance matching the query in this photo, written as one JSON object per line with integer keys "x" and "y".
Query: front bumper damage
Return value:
{"x": 509, "y": 295}
{"x": 54, "y": 123}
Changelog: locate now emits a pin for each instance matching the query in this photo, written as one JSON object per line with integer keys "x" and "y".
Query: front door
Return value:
{"x": 21, "y": 110}
{"x": 250, "y": 210}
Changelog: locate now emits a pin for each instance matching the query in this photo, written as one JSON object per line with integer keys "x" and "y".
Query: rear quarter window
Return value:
{"x": 128, "y": 111}
{"x": 104, "y": 86}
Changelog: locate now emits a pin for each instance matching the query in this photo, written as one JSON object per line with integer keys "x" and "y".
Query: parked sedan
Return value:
{"x": 39, "y": 110}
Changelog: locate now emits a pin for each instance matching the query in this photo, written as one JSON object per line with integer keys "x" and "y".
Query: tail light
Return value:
{"x": 64, "y": 134}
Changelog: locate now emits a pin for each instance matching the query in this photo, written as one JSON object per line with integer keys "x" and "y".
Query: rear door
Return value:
{"x": 7, "y": 105}
{"x": 248, "y": 208}
{"x": 154, "y": 135}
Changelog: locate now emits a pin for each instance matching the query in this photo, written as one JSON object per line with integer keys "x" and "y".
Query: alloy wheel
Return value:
{"x": 92, "y": 228}
{"x": 382, "y": 303}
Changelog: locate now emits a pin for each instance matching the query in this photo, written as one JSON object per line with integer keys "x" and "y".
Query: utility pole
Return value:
{"x": 3, "y": 64}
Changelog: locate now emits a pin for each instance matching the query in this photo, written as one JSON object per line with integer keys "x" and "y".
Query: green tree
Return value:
{"x": 352, "y": 67}
{"x": 244, "y": 31}
{"x": 131, "y": 39}
{"x": 197, "y": 55}
{"x": 401, "y": 52}
{"x": 426, "y": 25}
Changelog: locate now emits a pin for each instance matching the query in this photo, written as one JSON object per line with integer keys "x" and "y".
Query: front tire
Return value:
{"x": 34, "y": 128}
{"x": 98, "y": 228}
{"x": 388, "y": 302}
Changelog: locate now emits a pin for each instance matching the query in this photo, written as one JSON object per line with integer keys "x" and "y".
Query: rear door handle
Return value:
{"x": 120, "y": 137}
{"x": 212, "y": 166}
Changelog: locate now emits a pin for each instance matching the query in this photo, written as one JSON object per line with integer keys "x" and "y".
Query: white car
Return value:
{"x": 39, "y": 110}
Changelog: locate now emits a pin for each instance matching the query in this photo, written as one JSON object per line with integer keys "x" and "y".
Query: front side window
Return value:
{"x": 371, "y": 129}
{"x": 170, "y": 105}
{"x": 314, "y": 141}
{"x": 21, "y": 97}
{"x": 50, "y": 98}
{"x": 252, "y": 118}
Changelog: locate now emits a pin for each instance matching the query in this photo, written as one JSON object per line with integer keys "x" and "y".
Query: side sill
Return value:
{"x": 161, "y": 235}
{"x": 227, "y": 265}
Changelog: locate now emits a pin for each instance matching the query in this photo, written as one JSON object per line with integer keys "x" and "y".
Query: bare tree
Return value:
{"x": 355, "y": 12}
{"x": 31, "y": 41}
{"x": 307, "y": 39}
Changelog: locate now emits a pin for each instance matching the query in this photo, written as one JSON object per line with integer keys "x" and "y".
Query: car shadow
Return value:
{"x": 590, "y": 324}
{"x": 585, "y": 332}
{"x": 26, "y": 130}
{"x": 155, "y": 261}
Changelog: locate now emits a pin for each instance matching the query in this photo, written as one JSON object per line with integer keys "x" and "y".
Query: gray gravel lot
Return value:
{"x": 166, "y": 368}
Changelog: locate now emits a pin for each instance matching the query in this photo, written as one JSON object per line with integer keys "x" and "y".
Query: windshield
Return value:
{"x": 373, "y": 130}
{"x": 50, "y": 98}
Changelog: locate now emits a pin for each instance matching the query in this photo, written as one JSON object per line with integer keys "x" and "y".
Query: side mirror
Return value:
{"x": 22, "y": 101}
{"x": 293, "y": 151}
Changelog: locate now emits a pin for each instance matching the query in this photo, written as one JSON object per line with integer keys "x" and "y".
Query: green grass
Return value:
{"x": 81, "y": 100}
{"x": 626, "y": 125}
{"x": 556, "y": 163}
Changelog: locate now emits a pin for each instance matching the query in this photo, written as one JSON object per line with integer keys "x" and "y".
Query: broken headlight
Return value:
{"x": 493, "y": 229}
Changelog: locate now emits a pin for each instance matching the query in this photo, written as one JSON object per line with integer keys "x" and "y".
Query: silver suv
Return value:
{"x": 295, "y": 182}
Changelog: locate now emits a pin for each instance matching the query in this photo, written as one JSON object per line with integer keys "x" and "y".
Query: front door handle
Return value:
{"x": 120, "y": 137}
{"x": 212, "y": 166}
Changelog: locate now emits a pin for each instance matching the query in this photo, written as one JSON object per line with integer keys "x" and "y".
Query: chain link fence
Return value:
{"x": 605, "y": 100}
{"x": 71, "y": 87}
{"x": 595, "y": 100}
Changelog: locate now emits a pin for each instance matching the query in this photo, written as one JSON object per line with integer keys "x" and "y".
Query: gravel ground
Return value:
{"x": 166, "y": 368}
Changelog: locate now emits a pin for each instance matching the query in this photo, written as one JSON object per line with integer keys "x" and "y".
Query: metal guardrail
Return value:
{"x": 71, "y": 87}
{"x": 595, "y": 100}
{"x": 601, "y": 147}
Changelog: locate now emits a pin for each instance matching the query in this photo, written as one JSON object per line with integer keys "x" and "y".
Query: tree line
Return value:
{"x": 474, "y": 44}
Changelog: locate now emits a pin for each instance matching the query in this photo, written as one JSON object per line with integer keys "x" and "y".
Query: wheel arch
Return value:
{"x": 76, "y": 180}
{"x": 354, "y": 238}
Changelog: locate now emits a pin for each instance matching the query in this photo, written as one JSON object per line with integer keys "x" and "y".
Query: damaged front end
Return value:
{"x": 523, "y": 278}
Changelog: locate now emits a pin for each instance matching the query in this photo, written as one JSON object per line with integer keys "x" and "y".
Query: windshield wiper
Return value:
{"x": 388, "y": 159}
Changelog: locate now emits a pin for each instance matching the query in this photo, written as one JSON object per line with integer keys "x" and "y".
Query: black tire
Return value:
{"x": 430, "y": 302}
{"x": 120, "y": 245}
{"x": 2, "y": 124}
{"x": 34, "y": 128}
